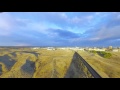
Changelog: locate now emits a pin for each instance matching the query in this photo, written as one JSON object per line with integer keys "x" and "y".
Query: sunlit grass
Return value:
{"x": 106, "y": 67}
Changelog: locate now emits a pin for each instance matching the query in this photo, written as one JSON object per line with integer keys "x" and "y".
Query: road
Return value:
{"x": 92, "y": 71}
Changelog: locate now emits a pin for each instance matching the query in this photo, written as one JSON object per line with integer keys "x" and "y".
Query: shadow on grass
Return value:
{"x": 99, "y": 53}
{"x": 14, "y": 54}
{"x": 0, "y": 69}
{"x": 7, "y": 61}
{"x": 28, "y": 67}
{"x": 76, "y": 68}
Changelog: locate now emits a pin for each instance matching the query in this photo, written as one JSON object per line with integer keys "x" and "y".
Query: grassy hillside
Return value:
{"x": 41, "y": 63}
{"x": 106, "y": 67}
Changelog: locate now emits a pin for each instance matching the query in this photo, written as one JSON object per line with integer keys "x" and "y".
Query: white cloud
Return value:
{"x": 114, "y": 12}
{"x": 56, "y": 15}
{"x": 75, "y": 39}
{"x": 23, "y": 20}
{"x": 94, "y": 39}
{"x": 9, "y": 24}
{"x": 118, "y": 39}
{"x": 80, "y": 20}
{"x": 97, "y": 13}
{"x": 6, "y": 24}
{"x": 6, "y": 21}
{"x": 110, "y": 32}
{"x": 63, "y": 15}
{"x": 105, "y": 33}
{"x": 89, "y": 17}
{"x": 22, "y": 44}
{"x": 42, "y": 27}
{"x": 118, "y": 17}
{"x": 76, "y": 20}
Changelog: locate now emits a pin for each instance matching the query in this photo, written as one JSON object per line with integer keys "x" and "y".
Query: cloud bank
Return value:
{"x": 59, "y": 28}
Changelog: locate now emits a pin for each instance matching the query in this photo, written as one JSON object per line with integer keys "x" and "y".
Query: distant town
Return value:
{"x": 109, "y": 48}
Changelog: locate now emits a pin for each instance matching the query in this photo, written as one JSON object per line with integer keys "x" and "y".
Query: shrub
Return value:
{"x": 104, "y": 54}
{"x": 93, "y": 51}
{"x": 107, "y": 55}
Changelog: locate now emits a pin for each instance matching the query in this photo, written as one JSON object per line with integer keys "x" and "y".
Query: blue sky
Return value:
{"x": 60, "y": 29}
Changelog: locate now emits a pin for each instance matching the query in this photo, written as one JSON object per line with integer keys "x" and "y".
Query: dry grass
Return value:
{"x": 42, "y": 63}
{"x": 47, "y": 63}
{"x": 107, "y": 68}
{"x": 53, "y": 63}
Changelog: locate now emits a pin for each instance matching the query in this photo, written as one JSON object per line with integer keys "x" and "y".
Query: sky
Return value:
{"x": 60, "y": 29}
